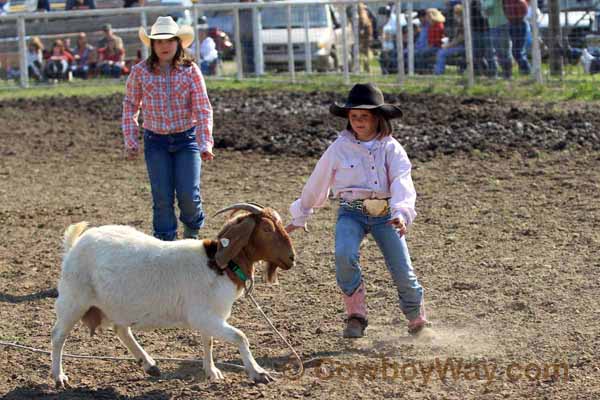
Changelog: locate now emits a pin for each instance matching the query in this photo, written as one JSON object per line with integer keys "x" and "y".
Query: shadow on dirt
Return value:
{"x": 46, "y": 392}
{"x": 42, "y": 294}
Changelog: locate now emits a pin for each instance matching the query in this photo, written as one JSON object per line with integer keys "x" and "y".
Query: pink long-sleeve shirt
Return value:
{"x": 171, "y": 102}
{"x": 351, "y": 172}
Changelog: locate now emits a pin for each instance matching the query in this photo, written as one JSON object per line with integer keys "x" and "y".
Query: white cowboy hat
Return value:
{"x": 166, "y": 28}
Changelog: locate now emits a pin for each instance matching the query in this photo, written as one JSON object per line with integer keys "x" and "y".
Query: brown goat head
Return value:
{"x": 261, "y": 232}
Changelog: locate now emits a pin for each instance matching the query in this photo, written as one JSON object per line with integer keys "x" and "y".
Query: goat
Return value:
{"x": 117, "y": 275}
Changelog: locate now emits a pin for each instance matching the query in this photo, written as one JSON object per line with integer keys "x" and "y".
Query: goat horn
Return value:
{"x": 251, "y": 207}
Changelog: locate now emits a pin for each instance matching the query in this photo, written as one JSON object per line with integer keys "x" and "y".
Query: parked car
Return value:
{"x": 324, "y": 35}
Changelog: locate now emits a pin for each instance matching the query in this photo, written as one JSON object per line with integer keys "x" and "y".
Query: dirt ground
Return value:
{"x": 506, "y": 245}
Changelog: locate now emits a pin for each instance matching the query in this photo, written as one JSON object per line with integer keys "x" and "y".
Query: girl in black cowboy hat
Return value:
{"x": 369, "y": 173}
{"x": 169, "y": 89}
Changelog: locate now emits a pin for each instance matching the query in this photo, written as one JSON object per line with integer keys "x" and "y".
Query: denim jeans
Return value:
{"x": 425, "y": 59}
{"x": 484, "y": 61}
{"x": 518, "y": 36}
{"x": 352, "y": 226}
{"x": 442, "y": 56}
{"x": 174, "y": 165}
{"x": 500, "y": 38}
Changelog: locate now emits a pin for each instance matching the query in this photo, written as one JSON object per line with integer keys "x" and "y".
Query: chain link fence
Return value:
{"x": 467, "y": 41}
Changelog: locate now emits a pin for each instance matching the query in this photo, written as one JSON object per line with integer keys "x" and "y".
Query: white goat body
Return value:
{"x": 143, "y": 282}
{"x": 120, "y": 276}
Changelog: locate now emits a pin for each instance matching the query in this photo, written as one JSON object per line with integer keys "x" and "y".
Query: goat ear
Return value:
{"x": 232, "y": 240}
{"x": 272, "y": 273}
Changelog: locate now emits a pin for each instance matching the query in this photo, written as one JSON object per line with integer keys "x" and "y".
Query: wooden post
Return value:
{"x": 536, "y": 53}
{"x": 356, "y": 43}
{"x": 411, "y": 39}
{"x": 238, "y": 45}
{"x": 468, "y": 43}
{"x": 144, "y": 22}
{"x": 556, "y": 62}
{"x": 22, "y": 53}
{"x": 399, "y": 44}
{"x": 291, "y": 63}
{"x": 345, "y": 48}
{"x": 307, "y": 47}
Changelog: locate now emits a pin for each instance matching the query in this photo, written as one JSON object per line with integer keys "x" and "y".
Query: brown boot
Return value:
{"x": 355, "y": 327}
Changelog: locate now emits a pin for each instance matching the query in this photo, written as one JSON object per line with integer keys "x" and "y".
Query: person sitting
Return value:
{"x": 454, "y": 46}
{"x": 109, "y": 34}
{"x": 43, "y": 5}
{"x": 85, "y": 57}
{"x": 57, "y": 64}
{"x": 209, "y": 56}
{"x": 35, "y": 59}
{"x": 435, "y": 32}
{"x": 111, "y": 59}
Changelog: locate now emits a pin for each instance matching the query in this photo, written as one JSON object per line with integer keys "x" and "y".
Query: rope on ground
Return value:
{"x": 193, "y": 360}
{"x": 300, "y": 371}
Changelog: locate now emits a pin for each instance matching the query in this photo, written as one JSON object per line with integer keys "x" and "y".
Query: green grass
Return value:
{"x": 572, "y": 87}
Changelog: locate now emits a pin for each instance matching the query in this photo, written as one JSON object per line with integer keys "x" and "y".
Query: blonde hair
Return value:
{"x": 37, "y": 42}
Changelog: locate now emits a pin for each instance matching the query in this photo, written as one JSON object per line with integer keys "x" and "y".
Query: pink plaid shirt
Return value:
{"x": 170, "y": 103}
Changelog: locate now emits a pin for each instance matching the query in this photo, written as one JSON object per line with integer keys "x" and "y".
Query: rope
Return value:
{"x": 248, "y": 294}
{"x": 193, "y": 360}
{"x": 300, "y": 371}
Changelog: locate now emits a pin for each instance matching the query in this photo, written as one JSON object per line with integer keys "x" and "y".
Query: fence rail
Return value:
{"x": 299, "y": 42}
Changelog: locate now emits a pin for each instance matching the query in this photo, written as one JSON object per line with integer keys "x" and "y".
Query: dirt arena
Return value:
{"x": 506, "y": 245}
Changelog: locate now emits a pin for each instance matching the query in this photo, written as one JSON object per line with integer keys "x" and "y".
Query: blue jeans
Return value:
{"x": 483, "y": 54}
{"x": 114, "y": 71}
{"x": 174, "y": 165}
{"x": 518, "y": 36}
{"x": 352, "y": 226}
{"x": 424, "y": 59}
{"x": 500, "y": 38}
{"x": 442, "y": 55}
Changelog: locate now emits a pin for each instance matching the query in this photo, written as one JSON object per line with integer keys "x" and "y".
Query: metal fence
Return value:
{"x": 288, "y": 38}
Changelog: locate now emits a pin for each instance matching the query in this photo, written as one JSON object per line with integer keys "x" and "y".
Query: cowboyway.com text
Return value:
{"x": 426, "y": 372}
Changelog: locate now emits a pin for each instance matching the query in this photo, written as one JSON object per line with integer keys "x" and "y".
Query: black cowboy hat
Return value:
{"x": 365, "y": 97}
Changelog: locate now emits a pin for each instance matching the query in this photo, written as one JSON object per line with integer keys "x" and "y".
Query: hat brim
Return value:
{"x": 185, "y": 34}
{"x": 389, "y": 111}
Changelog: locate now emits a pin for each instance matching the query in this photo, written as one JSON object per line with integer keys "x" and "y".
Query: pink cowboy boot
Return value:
{"x": 415, "y": 326}
{"x": 356, "y": 309}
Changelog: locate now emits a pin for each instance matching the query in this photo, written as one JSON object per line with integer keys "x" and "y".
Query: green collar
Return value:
{"x": 237, "y": 271}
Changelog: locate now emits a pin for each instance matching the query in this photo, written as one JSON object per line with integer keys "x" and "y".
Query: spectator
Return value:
{"x": 35, "y": 59}
{"x": 450, "y": 24}
{"x": 365, "y": 36}
{"x": 421, "y": 43}
{"x": 4, "y": 7}
{"x": 499, "y": 34}
{"x": 111, "y": 59}
{"x": 43, "y": 5}
{"x": 516, "y": 12}
{"x": 80, "y": 5}
{"x": 247, "y": 38}
{"x": 435, "y": 31}
{"x": 109, "y": 35}
{"x": 483, "y": 52}
{"x": 454, "y": 46}
{"x": 85, "y": 57}
{"x": 57, "y": 64}
{"x": 209, "y": 56}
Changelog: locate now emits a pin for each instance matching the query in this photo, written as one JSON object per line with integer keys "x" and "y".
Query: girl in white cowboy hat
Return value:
{"x": 369, "y": 173}
{"x": 169, "y": 88}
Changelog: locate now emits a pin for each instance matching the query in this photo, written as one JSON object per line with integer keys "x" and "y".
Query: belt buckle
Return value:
{"x": 375, "y": 207}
